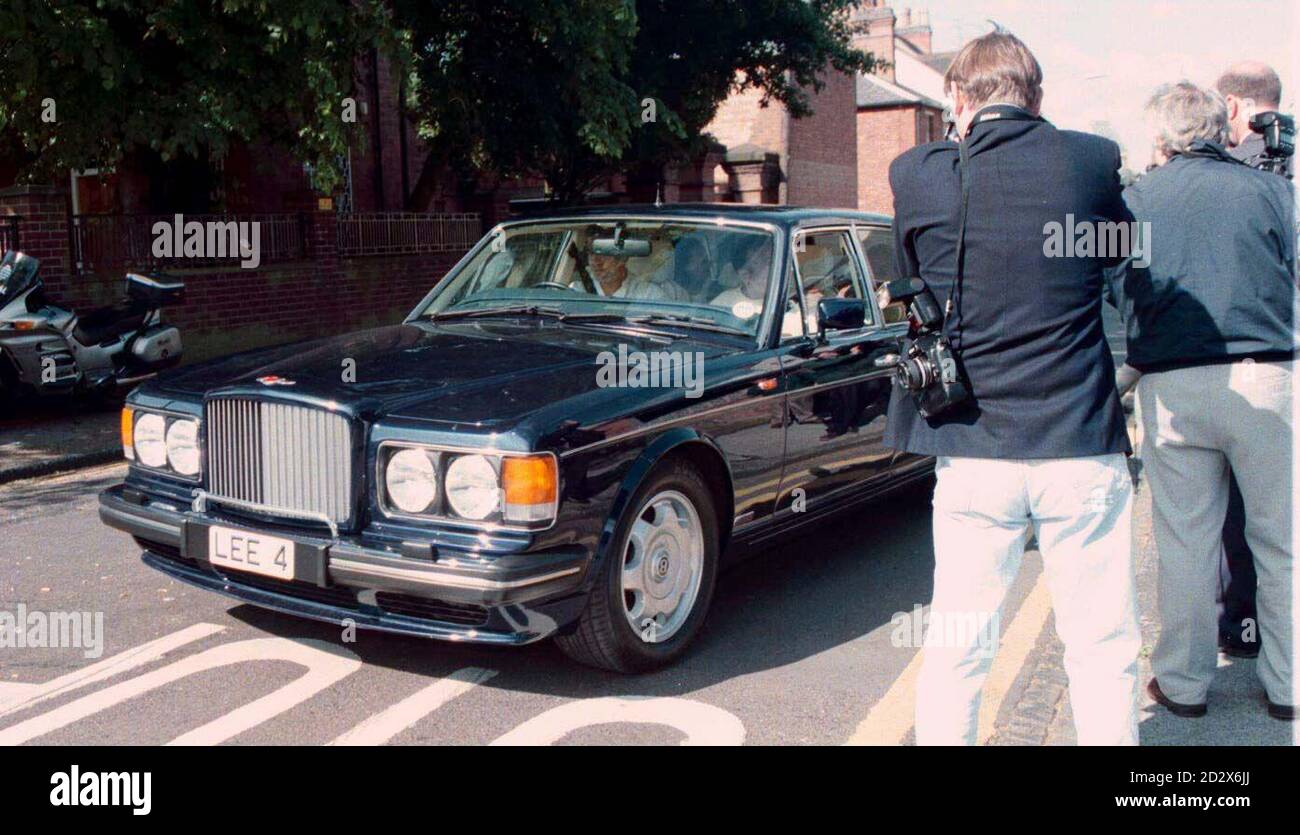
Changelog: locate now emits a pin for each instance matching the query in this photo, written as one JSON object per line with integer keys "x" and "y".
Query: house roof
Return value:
{"x": 939, "y": 61}
{"x": 874, "y": 91}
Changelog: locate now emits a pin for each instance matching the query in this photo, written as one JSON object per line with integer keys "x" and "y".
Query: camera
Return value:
{"x": 1278, "y": 131}
{"x": 929, "y": 371}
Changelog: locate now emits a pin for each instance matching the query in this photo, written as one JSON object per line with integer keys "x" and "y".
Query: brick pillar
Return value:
{"x": 323, "y": 243}
{"x": 42, "y": 229}
{"x": 693, "y": 181}
{"x": 755, "y": 175}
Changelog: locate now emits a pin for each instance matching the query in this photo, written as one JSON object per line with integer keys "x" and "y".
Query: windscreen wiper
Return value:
{"x": 516, "y": 310}
{"x": 696, "y": 322}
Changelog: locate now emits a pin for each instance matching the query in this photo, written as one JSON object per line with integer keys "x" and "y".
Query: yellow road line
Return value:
{"x": 890, "y": 719}
{"x": 1018, "y": 640}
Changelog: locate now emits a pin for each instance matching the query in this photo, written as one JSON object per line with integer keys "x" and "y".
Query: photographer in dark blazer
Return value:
{"x": 1040, "y": 443}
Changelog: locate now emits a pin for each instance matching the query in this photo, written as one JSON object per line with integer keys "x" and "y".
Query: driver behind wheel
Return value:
{"x": 613, "y": 281}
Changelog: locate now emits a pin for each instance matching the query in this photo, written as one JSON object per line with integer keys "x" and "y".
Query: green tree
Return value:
{"x": 549, "y": 87}
{"x": 559, "y": 87}
{"x": 178, "y": 78}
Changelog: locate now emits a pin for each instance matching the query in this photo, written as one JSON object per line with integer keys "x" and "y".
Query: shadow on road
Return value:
{"x": 787, "y": 604}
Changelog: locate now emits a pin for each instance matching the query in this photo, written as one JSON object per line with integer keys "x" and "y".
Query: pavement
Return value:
{"x": 802, "y": 646}
{"x": 39, "y": 436}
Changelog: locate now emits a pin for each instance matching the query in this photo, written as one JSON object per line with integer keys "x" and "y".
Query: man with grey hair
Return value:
{"x": 1249, "y": 88}
{"x": 1210, "y": 326}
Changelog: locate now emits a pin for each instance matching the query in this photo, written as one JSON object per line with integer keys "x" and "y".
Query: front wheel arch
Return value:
{"x": 702, "y": 453}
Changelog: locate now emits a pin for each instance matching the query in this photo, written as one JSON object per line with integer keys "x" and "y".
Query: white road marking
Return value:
{"x": 325, "y": 663}
{"x": 380, "y": 728}
{"x": 105, "y": 669}
{"x": 701, "y": 723}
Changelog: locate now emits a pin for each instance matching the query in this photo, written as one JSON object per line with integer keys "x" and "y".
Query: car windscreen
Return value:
{"x": 689, "y": 272}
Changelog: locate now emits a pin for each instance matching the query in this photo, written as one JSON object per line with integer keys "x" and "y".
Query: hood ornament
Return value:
{"x": 275, "y": 380}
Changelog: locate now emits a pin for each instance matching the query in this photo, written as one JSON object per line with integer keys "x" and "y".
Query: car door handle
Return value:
{"x": 887, "y": 361}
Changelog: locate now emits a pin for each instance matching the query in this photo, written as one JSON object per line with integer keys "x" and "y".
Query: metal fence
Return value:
{"x": 401, "y": 233}
{"x": 9, "y": 232}
{"x": 112, "y": 242}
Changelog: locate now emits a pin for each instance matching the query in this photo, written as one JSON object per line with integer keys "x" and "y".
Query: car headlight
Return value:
{"x": 151, "y": 440}
{"x": 183, "y": 446}
{"x": 165, "y": 442}
{"x": 473, "y": 487}
{"x": 445, "y": 484}
{"x": 411, "y": 480}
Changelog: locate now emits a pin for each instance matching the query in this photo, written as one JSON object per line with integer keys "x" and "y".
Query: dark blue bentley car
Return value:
{"x": 564, "y": 438}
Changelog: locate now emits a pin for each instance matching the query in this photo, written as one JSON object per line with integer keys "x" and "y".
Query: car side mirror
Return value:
{"x": 836, "y": 314}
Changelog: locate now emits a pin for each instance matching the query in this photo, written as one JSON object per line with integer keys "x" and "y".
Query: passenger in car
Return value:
{"x": 612, "y": 280}
{"x": 748, "y": 284}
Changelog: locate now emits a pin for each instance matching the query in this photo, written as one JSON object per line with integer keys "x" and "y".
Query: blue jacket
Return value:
{"x": 1221, "y": 282}
{"x": 1027, "y": 325}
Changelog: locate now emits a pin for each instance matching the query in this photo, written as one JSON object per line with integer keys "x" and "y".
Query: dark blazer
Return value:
{"x": 1221, "y": 280}
{"x": 1027, "y": 327}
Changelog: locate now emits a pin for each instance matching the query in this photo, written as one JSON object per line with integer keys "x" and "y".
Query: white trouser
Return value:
{"x": 1081, "y": 511}
{"x": 1196, "y": 422}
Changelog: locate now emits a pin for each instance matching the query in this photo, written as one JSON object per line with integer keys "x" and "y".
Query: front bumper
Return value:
{"x": 507, "y": 599}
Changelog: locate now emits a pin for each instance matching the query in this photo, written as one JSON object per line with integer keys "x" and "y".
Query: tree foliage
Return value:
{"x": 551, "y": 87}
{"x": 559, "y": 87}
{"x": 178, "y": 77}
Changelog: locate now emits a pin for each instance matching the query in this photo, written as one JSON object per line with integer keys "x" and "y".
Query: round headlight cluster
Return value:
{"x": 473, "y": 489}
{"x": 411, "y": 480}
{"x": 162, "y": 442}
{"x": 183, "y": 446}
{"x": 151, "y": 440}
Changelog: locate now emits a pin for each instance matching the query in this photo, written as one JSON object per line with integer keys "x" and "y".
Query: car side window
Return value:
{"x": 792, "y": 318}
{"x": 827, "y": 267}
{"x": 878, "y": 249}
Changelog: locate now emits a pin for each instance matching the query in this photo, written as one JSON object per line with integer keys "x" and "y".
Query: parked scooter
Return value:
{"x": 50, "y": 350}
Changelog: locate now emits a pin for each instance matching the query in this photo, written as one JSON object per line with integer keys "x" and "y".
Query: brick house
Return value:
{"x": 840, "y": 155}
{"x": 900, "y": 106}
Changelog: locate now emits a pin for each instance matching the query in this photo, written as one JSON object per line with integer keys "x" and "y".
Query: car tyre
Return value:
{"x": 665, "y": 557}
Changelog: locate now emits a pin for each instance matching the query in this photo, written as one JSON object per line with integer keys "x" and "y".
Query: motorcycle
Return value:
{"x": 48, "y": 349}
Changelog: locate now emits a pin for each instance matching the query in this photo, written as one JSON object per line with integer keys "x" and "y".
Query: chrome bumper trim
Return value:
{"x": 443, "y": 579}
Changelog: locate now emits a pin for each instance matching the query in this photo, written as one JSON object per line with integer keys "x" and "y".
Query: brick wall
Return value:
{"x": 741, "y": 121}
{"x": 822, "y": 163}
{"x": 883, "y": 133}
{"x": 228, "y": 310}
{"x": 236, "y": 310}
{"x": 43, "y": 229}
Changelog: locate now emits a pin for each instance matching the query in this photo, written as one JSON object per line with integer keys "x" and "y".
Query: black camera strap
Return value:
{"x": 963, "y": 153}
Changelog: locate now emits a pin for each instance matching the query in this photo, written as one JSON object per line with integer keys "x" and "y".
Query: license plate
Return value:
{"x": 253, "y": 552}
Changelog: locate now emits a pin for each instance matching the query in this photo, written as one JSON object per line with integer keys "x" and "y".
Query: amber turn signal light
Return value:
{"x": 531, "y": 487}
{"x": 128, "y": 433}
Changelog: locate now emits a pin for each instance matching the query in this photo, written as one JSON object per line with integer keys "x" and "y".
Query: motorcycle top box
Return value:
{"x": 154, "y": 291}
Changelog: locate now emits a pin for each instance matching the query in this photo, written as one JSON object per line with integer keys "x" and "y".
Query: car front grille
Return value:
{"x": 281, "y": 459}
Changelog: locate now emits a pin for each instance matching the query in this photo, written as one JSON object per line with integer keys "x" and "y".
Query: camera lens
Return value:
{"x": 914, "y": 374}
